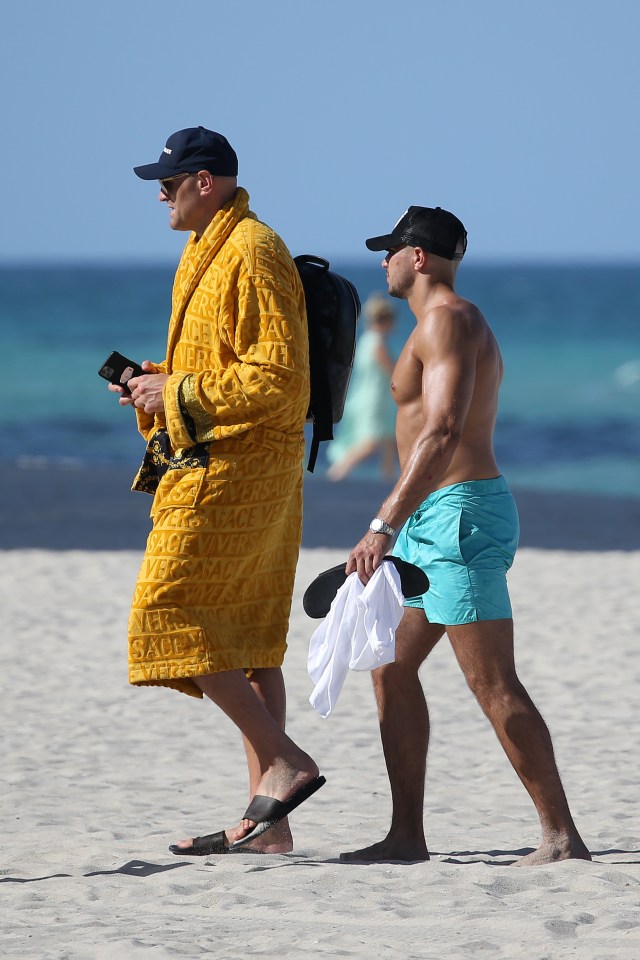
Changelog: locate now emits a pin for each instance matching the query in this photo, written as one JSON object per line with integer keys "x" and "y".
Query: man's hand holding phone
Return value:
{"x": 137, "y": 384}
{"x": 146, "y": 391}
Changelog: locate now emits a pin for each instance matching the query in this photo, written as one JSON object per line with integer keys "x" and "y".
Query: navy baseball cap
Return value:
{"x": 190, "y": 150}
{"x": 433, "y": 229}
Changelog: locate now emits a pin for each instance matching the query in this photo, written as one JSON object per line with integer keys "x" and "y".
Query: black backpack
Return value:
{"x": 333, "y": 308}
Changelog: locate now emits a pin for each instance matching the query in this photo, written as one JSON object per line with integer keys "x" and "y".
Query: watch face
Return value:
{"x": 378, "y": 525}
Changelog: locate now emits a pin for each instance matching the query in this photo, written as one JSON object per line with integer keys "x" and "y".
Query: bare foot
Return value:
{"x": 276, "y": 840}
{"x": 388, "y": 851}
{"x": 554, "y": 850}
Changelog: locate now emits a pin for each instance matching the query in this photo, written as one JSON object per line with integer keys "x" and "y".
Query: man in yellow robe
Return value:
{"x": 223, "y": 415}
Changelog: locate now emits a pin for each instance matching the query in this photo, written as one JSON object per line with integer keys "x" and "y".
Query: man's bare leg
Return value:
{"x": 283, "y": 767}
{"x": 485, "y": 654}
{"x": 404, "y": 727}
{"x": 268, "y": 685}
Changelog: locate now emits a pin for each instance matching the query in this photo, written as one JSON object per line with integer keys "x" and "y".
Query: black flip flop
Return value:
{"x": 320, "y": 594}
{"x": 266, "y": 811}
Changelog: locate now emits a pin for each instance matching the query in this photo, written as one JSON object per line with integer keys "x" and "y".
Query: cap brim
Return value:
{"x": 380, "y": 243}
{"x": 154, "y": 171}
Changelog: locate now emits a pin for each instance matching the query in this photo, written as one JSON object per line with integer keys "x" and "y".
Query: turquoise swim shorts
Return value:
{"x": 464, "y": 537}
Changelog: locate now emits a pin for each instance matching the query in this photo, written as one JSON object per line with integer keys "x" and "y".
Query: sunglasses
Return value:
{"x": 166, "y": 190}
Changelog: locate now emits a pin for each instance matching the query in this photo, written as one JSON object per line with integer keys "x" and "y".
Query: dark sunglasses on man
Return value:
{"x": 167, "y": 191}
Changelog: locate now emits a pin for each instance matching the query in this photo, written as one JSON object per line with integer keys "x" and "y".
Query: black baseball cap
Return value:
{"x": 190, "y": 150}
{"x": 434, "y": 229}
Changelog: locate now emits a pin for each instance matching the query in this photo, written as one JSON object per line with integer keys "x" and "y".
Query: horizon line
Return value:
{"x": 342, "y": 259}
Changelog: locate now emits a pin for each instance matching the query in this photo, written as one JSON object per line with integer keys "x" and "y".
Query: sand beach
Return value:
{"x": 98, "y": 777}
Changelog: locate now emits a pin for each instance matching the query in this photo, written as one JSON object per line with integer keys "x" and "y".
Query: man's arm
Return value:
{"x": 446, "y": 346}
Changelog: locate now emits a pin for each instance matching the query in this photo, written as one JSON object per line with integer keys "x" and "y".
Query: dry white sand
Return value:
{"x": 99, "y": 777}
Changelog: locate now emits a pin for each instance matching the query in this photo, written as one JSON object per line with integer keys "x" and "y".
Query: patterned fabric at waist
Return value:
{"x": 159, "y": 457}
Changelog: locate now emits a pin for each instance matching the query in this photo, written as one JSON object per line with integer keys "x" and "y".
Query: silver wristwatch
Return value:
{"x": 378, "y": 525}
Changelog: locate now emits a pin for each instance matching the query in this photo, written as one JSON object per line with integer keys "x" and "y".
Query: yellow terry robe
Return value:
{"x": 214, "y": 590}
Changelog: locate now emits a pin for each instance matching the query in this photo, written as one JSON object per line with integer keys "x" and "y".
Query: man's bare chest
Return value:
{"x": 406, "y": 382}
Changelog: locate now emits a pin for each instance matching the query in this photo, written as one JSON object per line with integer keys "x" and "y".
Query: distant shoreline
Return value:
{"x": 93, "y": 508}
{"x": 169, "y": 261}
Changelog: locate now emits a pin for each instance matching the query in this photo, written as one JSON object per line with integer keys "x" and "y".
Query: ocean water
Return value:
{"x": 570, "y": 337}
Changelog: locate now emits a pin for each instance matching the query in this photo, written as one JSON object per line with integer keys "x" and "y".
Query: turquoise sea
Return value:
{"x": 570, "y": 336}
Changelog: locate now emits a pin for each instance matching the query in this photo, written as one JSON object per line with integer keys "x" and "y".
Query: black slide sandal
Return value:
{"x": 320, "y": 593}
{"x": 266, "y": 811}
{"x": 203, "y": 846}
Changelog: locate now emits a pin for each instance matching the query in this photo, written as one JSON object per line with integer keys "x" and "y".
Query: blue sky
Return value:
{"x": 520, "y": 117}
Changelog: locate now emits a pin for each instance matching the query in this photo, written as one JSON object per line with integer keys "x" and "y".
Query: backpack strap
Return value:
{"x": 320, "y": 394}
{"x": 333, "y": 307}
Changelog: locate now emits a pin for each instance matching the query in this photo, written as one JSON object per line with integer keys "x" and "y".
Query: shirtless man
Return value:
{"x": 461, "y": 527}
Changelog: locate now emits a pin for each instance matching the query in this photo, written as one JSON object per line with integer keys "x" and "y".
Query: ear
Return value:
{"x": 205, "y": 182}
{"x": 420, "y": 258}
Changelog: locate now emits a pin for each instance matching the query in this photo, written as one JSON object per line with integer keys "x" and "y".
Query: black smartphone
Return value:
{"x": 119, "y": 370}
